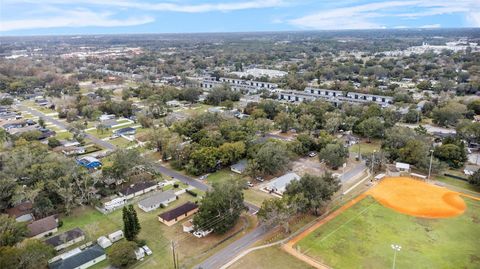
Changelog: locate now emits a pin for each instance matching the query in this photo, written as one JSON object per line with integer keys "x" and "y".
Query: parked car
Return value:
{"x": 312, "y": 154}
{"x": 147, "y": 250}
{"x": 260, "y": 179}
{"x": 250, "y": 184}
{"x": 203, "y": 177}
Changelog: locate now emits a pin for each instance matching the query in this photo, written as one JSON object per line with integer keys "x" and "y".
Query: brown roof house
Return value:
{"x": 43, "y": 227}
{"x": 21, "y": 212}
{"x": 66, "y": 239}
{"x": 177, "y": 214}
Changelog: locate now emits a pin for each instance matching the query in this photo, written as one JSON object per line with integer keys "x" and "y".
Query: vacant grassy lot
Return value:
{"x": 365, "y": 148}
{"x": 222, "y": 176}
{"x": 361, "y": 237}
{"x": 458, "y": 183}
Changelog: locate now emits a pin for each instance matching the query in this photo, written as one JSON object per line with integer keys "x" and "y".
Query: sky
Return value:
{"x": 50, "y": 17}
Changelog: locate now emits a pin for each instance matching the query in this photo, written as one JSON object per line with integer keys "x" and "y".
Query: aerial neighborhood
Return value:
{"x": 328, "y": 149}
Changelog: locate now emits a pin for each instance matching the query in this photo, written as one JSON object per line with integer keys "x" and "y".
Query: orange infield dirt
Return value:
{"x": 417, "y": 198}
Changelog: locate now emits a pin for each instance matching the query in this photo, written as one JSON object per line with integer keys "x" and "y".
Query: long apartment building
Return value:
{"x": 242, "y": 85}
{"x": 333, "y": 96}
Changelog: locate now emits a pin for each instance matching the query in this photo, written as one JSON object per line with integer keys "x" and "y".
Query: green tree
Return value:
{"x": 271, "y": 158}
{"x": 372, "y": 128}
{"x": 53, "y": 142}
{"x": 221, "y": 207}
{"x": 276, "y": 212}
{"x": 41, "y": 122}
{"x": 122, "y": 254}
{"x": 11, "y": 231}
{"x": 131, "y": 225}
{"x": 284, "y": 121}
{"x": 334, "y": 155}
{"x": 454, "y": 155}
{"x": 475, "y": 178}
{"x": 29, "y": 254}
{"x": 315, "y": 190}
{"x": 203, "y": 160}
{"x": 449, "y": 114}
{"x": 231, "y": 152}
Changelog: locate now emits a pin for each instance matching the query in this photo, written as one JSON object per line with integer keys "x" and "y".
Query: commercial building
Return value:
{"x": 333, "y": 96}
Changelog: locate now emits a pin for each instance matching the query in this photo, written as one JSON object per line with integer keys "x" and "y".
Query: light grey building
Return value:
{"x": 278, "y": 185}
{"x": 156, "y": 200}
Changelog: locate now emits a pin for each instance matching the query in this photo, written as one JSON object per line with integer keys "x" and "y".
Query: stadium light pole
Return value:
{"x": 396, "y": 248}
{"x": 430, "y": 167}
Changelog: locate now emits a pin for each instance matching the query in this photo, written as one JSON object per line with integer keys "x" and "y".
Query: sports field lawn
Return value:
{"x": 361, "y": 237}
{"x": 271, "y": 257}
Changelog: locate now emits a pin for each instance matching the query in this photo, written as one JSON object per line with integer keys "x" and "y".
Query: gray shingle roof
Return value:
{"x": 81, "y": 258}
{"x": 157, "y": 198}
{"x": 65, "y": 237}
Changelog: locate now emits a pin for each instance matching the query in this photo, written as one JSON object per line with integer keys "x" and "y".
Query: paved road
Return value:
{"x": 231, "y": 251}
{"x": 65, "y": 126}
{"x": 352, "y": 173}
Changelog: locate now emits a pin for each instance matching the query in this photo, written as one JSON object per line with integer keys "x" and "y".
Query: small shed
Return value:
{"x": 104, "y": 242}
{"x": 115, "y": 236}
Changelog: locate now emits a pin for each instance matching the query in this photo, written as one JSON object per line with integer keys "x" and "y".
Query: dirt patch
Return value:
{"x": 308, "y": 166}
{"x": 417, "y": 198}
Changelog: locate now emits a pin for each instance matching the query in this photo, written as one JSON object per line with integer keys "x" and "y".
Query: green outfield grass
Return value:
{"x": 361, "y": 237}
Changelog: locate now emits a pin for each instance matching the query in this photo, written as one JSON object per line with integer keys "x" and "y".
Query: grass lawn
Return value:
{"x": 121, "y": 142}
{"x": 64, "y": 135}
{"x": 196, "y": 109}
{"x": 457, "y": 183}
{"x": 271, "y": 257}
{"x": 361, "y": 237}
{"x": 222, "y": 176}
{"x": 366, "y": 148}
{"x": 255, "y": 196}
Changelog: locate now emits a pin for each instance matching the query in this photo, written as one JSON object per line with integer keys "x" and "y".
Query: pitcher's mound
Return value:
{"x": 417, "y": 198}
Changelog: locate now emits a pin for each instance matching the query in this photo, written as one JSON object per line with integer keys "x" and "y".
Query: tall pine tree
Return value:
{"x": 131, "y": 224}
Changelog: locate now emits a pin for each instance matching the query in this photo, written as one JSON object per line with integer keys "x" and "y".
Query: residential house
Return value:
{"x": 162, "y": 198}
{"x": 43, "y": 227}
{"x": 69, "y": 151}
{"x": 66, "y": 239}
{"x": 106, "y": 117}
{"x": 82, "y": 260}
{"x": 138, "y": 189}
{"x": 239, "y": 167}
{"x": 125, "y": 131}
{"x": 21, "y": 212}
{"x": 109, "y": 123}
{"x": 89, "y": 162}
{"x": 177, "y": 214}
{"x": 278, "y": 185}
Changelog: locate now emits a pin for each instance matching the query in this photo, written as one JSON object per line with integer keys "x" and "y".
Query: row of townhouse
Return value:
{"x": 247, "y": 86}
{"x": 333, "y": 96}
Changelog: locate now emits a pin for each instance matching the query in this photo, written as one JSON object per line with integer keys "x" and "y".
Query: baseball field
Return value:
{"x": 435, "y": 227}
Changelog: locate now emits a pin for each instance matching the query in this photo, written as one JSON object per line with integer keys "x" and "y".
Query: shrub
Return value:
{"x": 192, "y": 193}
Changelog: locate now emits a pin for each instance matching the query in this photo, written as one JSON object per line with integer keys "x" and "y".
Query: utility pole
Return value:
{"x": 373, "y": 160}
{"x": 430, "y": 168}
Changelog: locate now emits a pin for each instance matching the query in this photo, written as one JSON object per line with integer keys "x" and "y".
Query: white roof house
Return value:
{"x": 279, "y": 184}
{"x": 156, "y": 200}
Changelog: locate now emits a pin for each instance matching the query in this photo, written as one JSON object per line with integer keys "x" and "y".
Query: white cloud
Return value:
{"x": 355, "y": 17}
{"x": 75, "y": 18}
{"x": 365, "y": 16}
{"x": 166, "y": 6}
{"x": 437, "y": 25}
